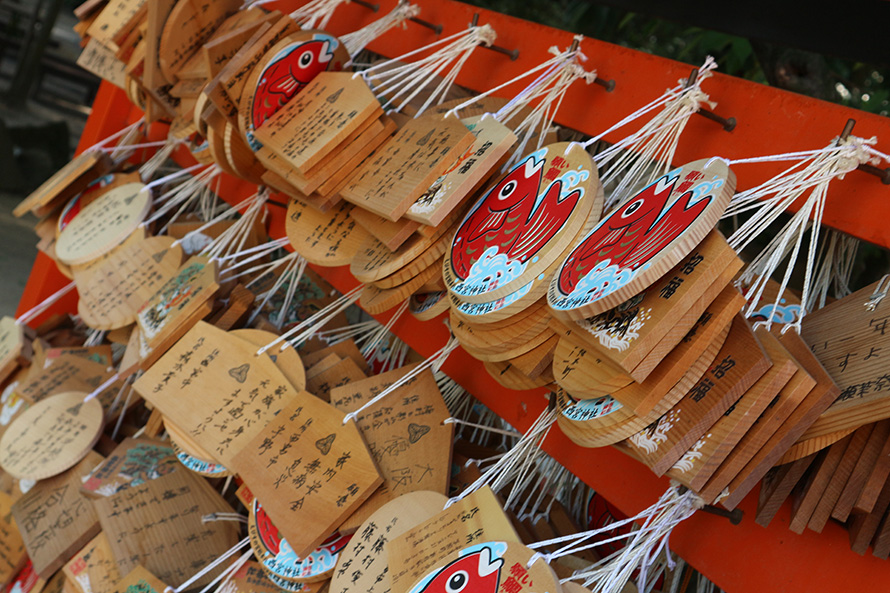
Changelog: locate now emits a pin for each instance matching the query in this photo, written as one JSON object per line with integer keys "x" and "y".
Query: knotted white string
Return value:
{"x": 391, "y": 81}
{"x": 356, "y": 41}
{"x": 434, "y": 362}
{"x": 641, "y": 158}
{"x": 769, "y": 200}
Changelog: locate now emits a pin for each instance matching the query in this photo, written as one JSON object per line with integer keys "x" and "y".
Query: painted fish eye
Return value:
{"x": 306, "y": 59}
{"x": 457, "y": 582}
{"x": 507, "y": 190}
{"x": 631, "y": 208}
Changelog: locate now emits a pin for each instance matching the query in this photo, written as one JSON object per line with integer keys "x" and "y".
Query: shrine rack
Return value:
{"x": 737, "y": 558}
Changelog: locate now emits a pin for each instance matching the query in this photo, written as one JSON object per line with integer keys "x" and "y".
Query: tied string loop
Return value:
{"x": 396, "y": 84}
{"x": 434, "y": 362}
{"x": 644, "y": 156}
{"x": 808, "y": 180}
{"x": 643, "y": 547}
{"x": 311, "y": 325}
{"x": 356, "y": 41}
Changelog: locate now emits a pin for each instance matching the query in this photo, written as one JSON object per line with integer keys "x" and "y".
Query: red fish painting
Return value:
{"x": 474, "y": 573}
{"x": 513, "y": 216}
{"x": 289, "y": 74}
{"x": 634, "y": 233}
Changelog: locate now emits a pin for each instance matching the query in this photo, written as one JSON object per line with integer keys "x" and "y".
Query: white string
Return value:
{"x": 120, "y": 133}
{"x": 433, "y": 362}
{"x": 295, "y": 266}
{"x": 317, "y": 320}
{"x": 390, "y": 81}
{"x": 510, "y": 433}
{"x": 356, "y": 41}
{"x": 108, "y": 383}
{"x": 316, "y": 14}
{"x": 45, "y": 304}
{"x": 376, "y": 337}
{"x": 200, "y": 574}
{"x": 171, "y": 177}
{"x": 123, "y": 410}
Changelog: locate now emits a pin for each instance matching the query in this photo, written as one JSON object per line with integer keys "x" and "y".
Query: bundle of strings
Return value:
{"x": 182, "y": 193}
{"x": 642, "y": 549}
{"x": 808, "y": 180}
{"x": 647, "y": 154}
{"x": 545, "y": 92}
{"x": 316, "y": 14}
{"x": 397, "y": 83}
{"x": 517, "y": 464}
{"x": 356, "y": 41}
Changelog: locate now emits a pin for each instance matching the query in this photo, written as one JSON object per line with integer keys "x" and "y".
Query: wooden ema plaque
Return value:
{"x": 524, "y": 223}
{"x": 659, "y": 388}
{"x": 391, "y": 234}
{"x": 364, "y": 563}
{"x": 103, "y": 224}
{"x": 188, "y": 27}
{"x": 503, "y": 343}
{"x": 405, "y": 433}
{"x": 55, "y": 519}
{"x": 583, "y": 371}
{"x": 217, "y": 389}
{"x": 251, "y": 578}
{"x": 277, "y": 558}
{"x": 283, "y": 72}
{"x": 428, "y": 305}
{"x": 770, "y": 422}
{"x": 12, "y": 549}
{"x": 66, "y": 372}
{"x": 324, "y": 238}
{"x": 849, "y": 340}
{"x": 803, "y": 416}
{"x": 112, "y": 294}
{"x": 316, "y": 121}
{"x": 65, "y": 183}
{"x": 466, "y": 174}
{"x": 738, "y": 365}
{"x": 12, "y": 343}
{"x": 309, "y": 470}
{"x": 162, "y": 319}
{"x": 159, "y": 526}
{"x": 90, "y": 194}
{"x": 51, "y": 436}
{"x": 698, "y": 464}
{"x": 476, "y": 518}
{"x": 491, "y": 567}
{"x": 93, "y": 569}
{"x": 377, "y": 300}
{"x": 139, "y": 580}
{"x": 508, "y": 376}
{"x": 288, "y": 360}
{"x": 392, "y": 179}
{"x": 133, "y": 462}
{"x": 344, "y": 372}
{"x": 628, "y": 334}
{"x": 641, "y": 241}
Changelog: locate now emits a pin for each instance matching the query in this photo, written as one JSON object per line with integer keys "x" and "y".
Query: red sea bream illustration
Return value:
{"x": 289, "y": 73}
{"x": 631, "y": 236}
{"x": 477, "y": 572}
{"x": 512, "y": 223}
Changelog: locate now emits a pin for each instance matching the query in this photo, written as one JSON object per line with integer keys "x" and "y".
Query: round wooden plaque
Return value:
{"x": 288, "y": 360}
{"x": 192, "y": 455}
{"x": 190, "y": 23}
{"x": 89, "y": 195}
{"x": 376, "y": 300}
{"x": 113, "y": 292}
{"x": 283, "y": 72}
{"x": 491, "y": 339}
{"x": 491, "y": 567}
{"x": 375, "y": 260}
{"x": 428, "y": 305}
{"x": 104, "y": 224}
{"x": 330, "y": 238}
{"x": 512, "y": 378}
{"x": 51, "y": 436}
{"x": 524, "y": 223}
{"x": 368, "y": 549}
{"x": 279, "y": 559}
{"x": 640, "y": 241}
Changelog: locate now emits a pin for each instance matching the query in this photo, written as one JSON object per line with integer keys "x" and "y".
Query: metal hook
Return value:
{"x": 368, "y": 5}
{"x": 512, "y": 53}
{"x": 607, "y": 84}
{"x": 882, "y": 174}
{"x": 728, "y": 123}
